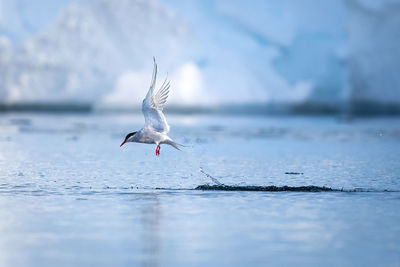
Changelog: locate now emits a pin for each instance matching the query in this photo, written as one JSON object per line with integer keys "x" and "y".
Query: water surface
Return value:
{"x": 70, "y": 196}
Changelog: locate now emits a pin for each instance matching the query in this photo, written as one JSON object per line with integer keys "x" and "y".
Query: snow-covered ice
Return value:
{"x": 98, "y": 52}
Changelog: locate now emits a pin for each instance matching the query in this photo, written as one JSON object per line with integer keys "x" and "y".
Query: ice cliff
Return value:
{"x": 99, "y": 52}
{"x": 374, "y": 52}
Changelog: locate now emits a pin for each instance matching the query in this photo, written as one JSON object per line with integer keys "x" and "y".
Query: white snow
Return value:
{"x": 374, "y": 41}
{"x": 80, "y": 56}
{"x": 216, "y": 52}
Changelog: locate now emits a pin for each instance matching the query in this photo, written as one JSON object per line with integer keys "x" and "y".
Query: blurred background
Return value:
{"x": 71, "y": 196}
{"x": 309, "y": 56}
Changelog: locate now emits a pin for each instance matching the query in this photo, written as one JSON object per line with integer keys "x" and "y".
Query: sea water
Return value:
{"x": 71, "y": 196}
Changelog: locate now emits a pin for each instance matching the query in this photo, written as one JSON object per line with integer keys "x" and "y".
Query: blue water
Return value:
{"x": 70, "y": 196}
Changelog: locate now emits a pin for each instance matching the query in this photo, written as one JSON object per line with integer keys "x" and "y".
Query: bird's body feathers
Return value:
{"x": 155, "y": 128}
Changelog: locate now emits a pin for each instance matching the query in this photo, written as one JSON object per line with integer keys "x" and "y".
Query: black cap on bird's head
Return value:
{"x": 127, "y": 137}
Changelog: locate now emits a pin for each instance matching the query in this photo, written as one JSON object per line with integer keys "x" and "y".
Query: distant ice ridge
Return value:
{"x": 374, "y": 58}
{"x": 80, "y": 55}
{"x": 5, "y": 55}
{"x": 100, "y": 52}
{"x": 23, "y": 19}
{"x": 216, "y": 52}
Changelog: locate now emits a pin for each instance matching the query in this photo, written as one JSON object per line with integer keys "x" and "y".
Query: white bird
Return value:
{"x": 155, "y": 128}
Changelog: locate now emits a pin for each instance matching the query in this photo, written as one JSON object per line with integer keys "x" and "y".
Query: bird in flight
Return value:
{"x": 155, "y": 127}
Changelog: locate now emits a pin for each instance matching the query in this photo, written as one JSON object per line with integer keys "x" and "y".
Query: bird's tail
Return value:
{"x": 172, "y": 143}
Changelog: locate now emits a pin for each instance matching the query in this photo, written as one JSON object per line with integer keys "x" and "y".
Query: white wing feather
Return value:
{"x": 153, "y": 105}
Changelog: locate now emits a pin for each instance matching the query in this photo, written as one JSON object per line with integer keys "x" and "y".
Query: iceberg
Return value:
{"x": 374, "y": 54}
{"x": 79, "y": 57}
{"x": 217, "y": 52}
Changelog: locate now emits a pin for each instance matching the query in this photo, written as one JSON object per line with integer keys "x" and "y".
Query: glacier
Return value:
{"x": 217, "y": 52}
{"x": 78, "y": 56}
{"x": 374, "y": 52}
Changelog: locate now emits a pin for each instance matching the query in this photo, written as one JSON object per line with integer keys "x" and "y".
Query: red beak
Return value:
{"x": 122, "y": 143}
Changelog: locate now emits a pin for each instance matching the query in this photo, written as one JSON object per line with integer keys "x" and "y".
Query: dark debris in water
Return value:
{"x": 272, "y": 188}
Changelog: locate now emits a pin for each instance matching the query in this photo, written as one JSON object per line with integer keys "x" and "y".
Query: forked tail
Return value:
{"x": 172, "y": 143}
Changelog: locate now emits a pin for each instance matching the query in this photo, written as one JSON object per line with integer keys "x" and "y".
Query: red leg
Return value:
{"x": 158, "y": 150}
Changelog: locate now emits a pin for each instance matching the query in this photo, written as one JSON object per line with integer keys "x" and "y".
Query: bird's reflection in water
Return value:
{"x": 151, "y": 232}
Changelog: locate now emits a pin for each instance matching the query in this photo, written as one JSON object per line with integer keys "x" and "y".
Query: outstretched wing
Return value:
{"x": 153, "y": 105}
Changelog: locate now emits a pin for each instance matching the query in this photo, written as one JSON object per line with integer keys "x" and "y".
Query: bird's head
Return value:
{"x": 129, "y": 135}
